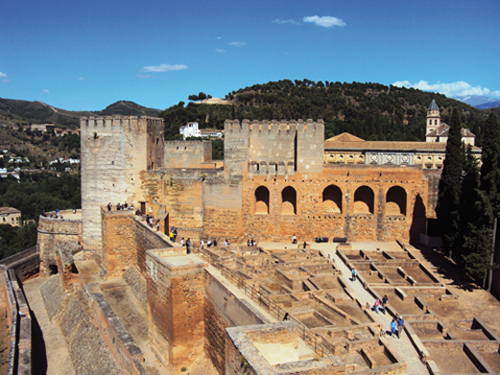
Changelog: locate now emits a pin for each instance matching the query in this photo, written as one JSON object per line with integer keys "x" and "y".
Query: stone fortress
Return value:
{"x": 117, "y": 296}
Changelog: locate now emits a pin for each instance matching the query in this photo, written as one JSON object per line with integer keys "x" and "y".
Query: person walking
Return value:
{"x": 188, "y": 246}
{"x": 376, "y": 305}
{"x": 294, "y": 239}
{"x": 384, "y": 302}
{"x": 353, "y": 274}
{"x": 393, "y": 326}
{"x": 401, "y": 325}
{"x": 157, "y": 225}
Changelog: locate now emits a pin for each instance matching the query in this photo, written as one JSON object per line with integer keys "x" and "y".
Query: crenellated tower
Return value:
{"x": 114, "y": 152}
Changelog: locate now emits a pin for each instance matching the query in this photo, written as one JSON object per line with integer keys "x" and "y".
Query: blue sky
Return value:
{"x": 87, "y": 54}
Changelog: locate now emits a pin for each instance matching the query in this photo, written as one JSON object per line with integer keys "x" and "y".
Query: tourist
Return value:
{"x": 294, "y": 239}
{"x": 215, "y": 242}
{"x": 157, "y": 225}
{"x": 253, "y": 242}
{"x": 182, "y": 241}
{"x": 392, "y": 326}
{"x": 248, "y": 242}
{"x": 174, "y": 231}
{"x": 188, "y": 245}
{"x": 376, "y": 305}
{"x": 225, "y": 242}
{"x": 74, "y": 209}
{"x": 209, "y": 243}
{"x": 118, "y": 206}
{"x": 401, "y": 325}
{"x": 305, "y": 245}
{"x": 171, "y": 236}
{"x": 125, "y": 205}
{"x": 384, "y": 302}
{"x": 201, "y": 243}
{"x": 353, "y": 274}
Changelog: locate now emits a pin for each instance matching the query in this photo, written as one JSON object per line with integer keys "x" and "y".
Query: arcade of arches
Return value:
{"x": 364, "y": 199}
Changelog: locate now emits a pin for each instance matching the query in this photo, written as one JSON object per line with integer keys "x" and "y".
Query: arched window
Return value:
{"x": 363, "y": 200}
{"x": 332, "y": 200}
{"x": 288, "y": 201}
{"x": 395, "y": 201}
{"x": 262, "y": 200}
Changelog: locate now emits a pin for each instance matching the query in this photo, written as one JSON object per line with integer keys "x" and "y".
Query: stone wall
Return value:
{"x": 137, "y": 284}
{"x": 175, "y": 307}
{"x": 187, "y": 154}
{"x": 117, "y": 241}
{"x": 115, "y": 152}
{"x": 25, "y": 264}
{"x": 53, "y": 295}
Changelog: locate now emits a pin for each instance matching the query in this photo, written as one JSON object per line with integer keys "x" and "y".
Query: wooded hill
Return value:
{"x": 368, "y": 110}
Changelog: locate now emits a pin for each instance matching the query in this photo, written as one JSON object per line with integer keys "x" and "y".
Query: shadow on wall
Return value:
{"x": 418, "y": 221}
{"x": 38, "y": 347}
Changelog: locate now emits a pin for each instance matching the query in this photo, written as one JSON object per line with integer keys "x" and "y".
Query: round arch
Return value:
{"x": 332, "y": 200}
{"x": 262, "y": 200}
{"x": 364, "y": 200}
{"x": 288, "y": 201}
{"x": 396, "y": 201}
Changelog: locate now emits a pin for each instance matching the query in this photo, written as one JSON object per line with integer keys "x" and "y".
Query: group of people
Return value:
{"x": 209, "y": 243}
{"x": 251, "y": 243}
{"x": 120, "y": 206}
{"x": 380, "y": 304}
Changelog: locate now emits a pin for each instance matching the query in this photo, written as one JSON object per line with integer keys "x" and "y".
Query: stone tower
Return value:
{"x": 114, "y": 152}
{"x": 433, "y": 117}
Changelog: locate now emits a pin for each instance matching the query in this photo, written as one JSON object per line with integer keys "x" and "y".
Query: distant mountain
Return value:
{"x": 480, "y": 102}
{"x": 14, "y": 112}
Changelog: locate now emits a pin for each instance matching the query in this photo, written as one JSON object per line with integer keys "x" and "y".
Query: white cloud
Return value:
{"x": 459, "y": 88}
{"x": 219, "y": 38}
{"x": 45, "y": 91}
{"x": 3, "y": 75}
{"x": 80, "y": 79}
{"x": 219, "y": 50}
{"x": 284, "y": 22}
{"x": 325, "y": 21}
{"x": 164, "y": 68}
{"x": 237, "y": 44}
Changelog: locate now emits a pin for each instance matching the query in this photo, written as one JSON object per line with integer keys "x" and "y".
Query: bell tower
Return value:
{"x": 433, "y": 117}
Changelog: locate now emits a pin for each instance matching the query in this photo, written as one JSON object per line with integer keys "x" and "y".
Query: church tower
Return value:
{"x": 433, "y": 117}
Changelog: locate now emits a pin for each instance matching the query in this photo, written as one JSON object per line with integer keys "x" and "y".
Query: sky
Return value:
{"x": 88, "y": 54}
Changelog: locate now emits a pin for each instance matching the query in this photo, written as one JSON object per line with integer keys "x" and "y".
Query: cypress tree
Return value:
{"x": 448, "y": 205}
{"x": 490, "y": 157}
{"x": 468, "y": 199}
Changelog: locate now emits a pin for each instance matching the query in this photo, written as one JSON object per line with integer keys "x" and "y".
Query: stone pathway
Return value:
{"x": 403, "y": 346}
{"x": 58, "y": 360}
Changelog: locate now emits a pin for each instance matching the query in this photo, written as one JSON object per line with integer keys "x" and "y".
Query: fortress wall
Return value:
{"x": 25, "y": 264}
{"x": 89, "y": 353}
{"x": 53, "y": 295}
{"x": 137, "y": 284}
{"x": 52, "y": 231}
{"x": 310, "y": 146}
{"x": 187, "y": 154}
{"x": 115, "y": 151}
{"x": 118, "y": 252}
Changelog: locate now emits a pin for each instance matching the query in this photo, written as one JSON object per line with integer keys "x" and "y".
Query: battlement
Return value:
{"x": 115, "y": 124}
{"x": 234, "y": 127}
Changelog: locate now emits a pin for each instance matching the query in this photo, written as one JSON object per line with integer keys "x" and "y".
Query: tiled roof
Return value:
{"x": 389, "y": 146}
{"x": 443, "y": 130}
{"x": 345, "y": 137}
{"x": 9, "y": 210}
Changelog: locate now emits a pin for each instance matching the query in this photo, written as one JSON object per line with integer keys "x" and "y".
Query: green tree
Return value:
{"x": 490, "y": 157}
{"x": 448, "y": 205}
